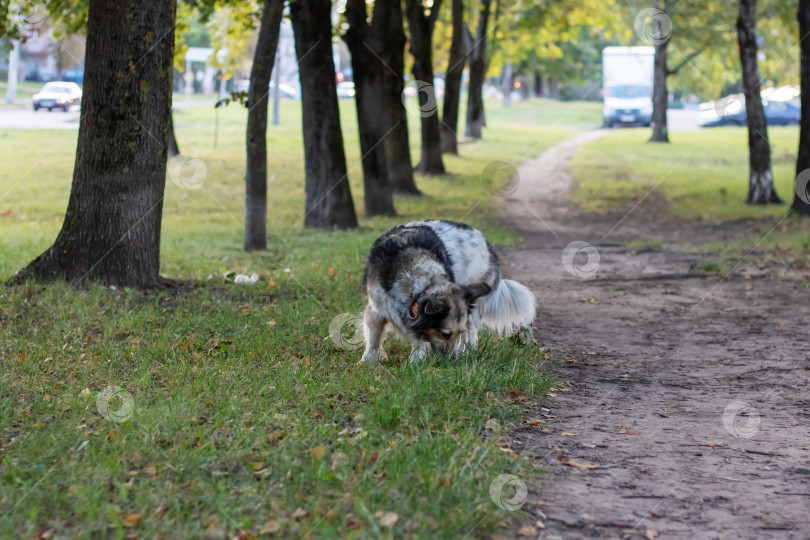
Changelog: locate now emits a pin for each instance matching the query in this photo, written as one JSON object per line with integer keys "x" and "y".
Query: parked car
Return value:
{"x": 730, "y": 111}
{"x": 58, "y": 95}
{"x": 345, "y": 89}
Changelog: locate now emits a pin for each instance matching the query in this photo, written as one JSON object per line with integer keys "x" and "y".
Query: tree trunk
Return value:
{"x": 397, "y": 144}
{"x": 111, "y": 231}
{"x": 478, "y": 65}
{"x": 659, "y": 113}
{"x": 372, "y": 118}
{"x": 256, "y": 138}
{"x": 801, "y": 198}
{"x": 506, "y": 84}
{"x": 760, "y": 183}
{"x": 538, "y": 84}
{"x": 421, "y": 45}
{"x": 553, "y": 88}
{"x": 452, "y": 82}
{"x": 328, "y": 196}
{"x": 173, "y": 149}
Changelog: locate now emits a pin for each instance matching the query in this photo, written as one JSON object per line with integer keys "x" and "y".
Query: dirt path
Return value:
{"x": 688, "y": 392}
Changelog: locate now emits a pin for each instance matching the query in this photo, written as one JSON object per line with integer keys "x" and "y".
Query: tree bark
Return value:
{"x": 538, "y": 84}
{"x": 172, "y": 148}
{"x": 421, "y": 45}
{"x": 452, "y": 82}
{"x": 478, "y": 67}
{"x": 760, "y": 181}
{"x": 373, "y": 123}
{"x": 506, "y": 85}
{"x": 801, "y": 197}
{"x": 328, "y": 196}
{"x": 659, "y": 113}
{"x": 111, "y": 231}
{"x": 397, "y": 144}
{"x": 256, "y": 137}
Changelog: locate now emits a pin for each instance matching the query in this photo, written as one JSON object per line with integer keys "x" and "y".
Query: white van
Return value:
{"x": 627, "y": 80}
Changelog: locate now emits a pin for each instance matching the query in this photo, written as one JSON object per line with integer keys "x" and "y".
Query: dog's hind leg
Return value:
{"x": 373, "y": 326}
{"x": 418, "y": 351}
{"x": 473, "y": 326}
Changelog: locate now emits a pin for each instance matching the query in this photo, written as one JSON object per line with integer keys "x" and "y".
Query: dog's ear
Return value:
{"x": 475, "y": 291}
{"x": 434, "y": 306}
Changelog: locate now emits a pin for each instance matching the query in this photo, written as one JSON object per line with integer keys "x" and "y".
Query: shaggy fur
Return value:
{"x": 436, "y": 284}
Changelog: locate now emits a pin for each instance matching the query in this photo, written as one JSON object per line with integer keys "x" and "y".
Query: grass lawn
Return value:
{"x": 240, "y": 413}
{"x": 699, "y": 175}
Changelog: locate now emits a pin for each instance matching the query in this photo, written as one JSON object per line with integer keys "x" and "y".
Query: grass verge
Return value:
{"x": 237, "y": 413}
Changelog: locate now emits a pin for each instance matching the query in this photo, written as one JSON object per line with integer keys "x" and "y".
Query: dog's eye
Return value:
{"x": 447, "y": 335}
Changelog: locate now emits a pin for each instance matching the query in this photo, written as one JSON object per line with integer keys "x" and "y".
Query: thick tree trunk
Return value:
{"x": 506, "y": 85}
{"x": 478, "y": 68}
{"x": 659, "y": 114}
{"x": 760, "y": 183}
{"x": 801, "y": 198}
{"x": 538, "y": 84}
{"x": 372, "y": 114}
{"x": 328, "y": 196}
{"x": 452, "y": 82}
{"x": 421, "y": 45}
{"x": 111, "y": 231}
{"x": 171, "y": 140}
{"x": 256, "y": 138}
{"x": 397, "y": 144}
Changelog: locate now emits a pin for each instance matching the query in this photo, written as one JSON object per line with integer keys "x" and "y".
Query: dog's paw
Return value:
{"x": 417, "y": 355}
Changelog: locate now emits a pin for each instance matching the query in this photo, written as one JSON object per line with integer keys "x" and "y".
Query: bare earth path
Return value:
{"x": 688, "y": 392}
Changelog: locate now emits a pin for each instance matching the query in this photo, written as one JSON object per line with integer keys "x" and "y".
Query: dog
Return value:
{"x": 436, "y": 283}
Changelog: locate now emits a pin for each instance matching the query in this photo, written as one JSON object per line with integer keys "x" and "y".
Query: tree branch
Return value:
{"x": 687, "y": 59}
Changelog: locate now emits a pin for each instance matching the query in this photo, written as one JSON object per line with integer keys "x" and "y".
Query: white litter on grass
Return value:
{"x": 242, "y": 278}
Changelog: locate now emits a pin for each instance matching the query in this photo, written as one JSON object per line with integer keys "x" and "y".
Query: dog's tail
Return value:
{"x": 508, "y": 308}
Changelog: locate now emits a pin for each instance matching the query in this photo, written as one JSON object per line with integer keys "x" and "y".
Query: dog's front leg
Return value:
{"x": 419, "y": 350}
{"x": 473, "y": 326}
{"x": 373, "y": 325}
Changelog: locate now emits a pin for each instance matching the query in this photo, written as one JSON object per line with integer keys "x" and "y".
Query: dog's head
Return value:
{"x": 439, "y": 315}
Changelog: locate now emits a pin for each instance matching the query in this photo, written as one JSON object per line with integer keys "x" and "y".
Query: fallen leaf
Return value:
{"x": 273, "y": 437}
{"x": 568, "y": 434}
{"x": 330, "y": 272}
{"x": 132, "y": 520}
{"x": 651, "y": 534}
{"x": 625, "y": 431}
{"x": 243, "y": 535}
{"x": 214, "y": 531}
{"x": 271, "y": 527}
{"x": 491, "y": 424}
{"x": 374, "y": 455}
{"x": 528, "y": 531}
{"x": 318, "y": 452}
{"x": 389, "y": 519}
{"x": 533, "y": 422}
{"x": 710, "y": 444}
{"x": 150, "y": 471}
{"x": 299, "y": 513}
{"x": 581, "y": 466}
{"x": 339, "y": 458}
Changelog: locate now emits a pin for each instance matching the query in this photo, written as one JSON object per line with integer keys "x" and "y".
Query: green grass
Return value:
{"x": 244, "y": 410}
{"x": 700, "y": 175}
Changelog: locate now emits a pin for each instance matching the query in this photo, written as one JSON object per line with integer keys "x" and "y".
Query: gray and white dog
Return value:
{"x": 436, "y": 284}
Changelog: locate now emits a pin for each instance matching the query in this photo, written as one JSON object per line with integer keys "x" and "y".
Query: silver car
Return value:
{"x": 58, "y": 95}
